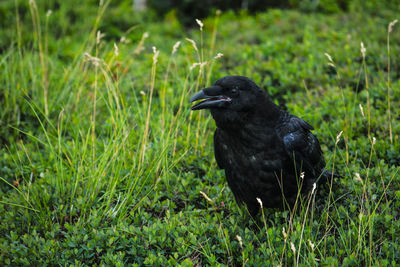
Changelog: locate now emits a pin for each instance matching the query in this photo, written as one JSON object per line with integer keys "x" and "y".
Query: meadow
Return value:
{"x": 102, "y": 163}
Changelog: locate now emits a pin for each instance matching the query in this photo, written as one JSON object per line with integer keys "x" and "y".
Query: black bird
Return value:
{"x": 266, "y": 152}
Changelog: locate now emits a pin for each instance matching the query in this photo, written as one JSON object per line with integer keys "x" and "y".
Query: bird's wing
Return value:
{"x": 302, "y": 146}
{"x": 218, "y": 143}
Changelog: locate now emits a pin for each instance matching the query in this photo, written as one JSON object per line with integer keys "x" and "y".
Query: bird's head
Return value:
{"x": 231, "y": 99}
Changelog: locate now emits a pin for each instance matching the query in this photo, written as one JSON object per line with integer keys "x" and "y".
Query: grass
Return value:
{"x": 102, "y": 162}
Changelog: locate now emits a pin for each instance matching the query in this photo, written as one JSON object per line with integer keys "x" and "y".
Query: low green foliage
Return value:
{"x": 102, "y": 162}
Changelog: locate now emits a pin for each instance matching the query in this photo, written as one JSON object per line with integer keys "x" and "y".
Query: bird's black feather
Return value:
{"x": 262, "y": 148}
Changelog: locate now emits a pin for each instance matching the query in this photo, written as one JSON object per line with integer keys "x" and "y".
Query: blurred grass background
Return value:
{"x": 102, "y": 163}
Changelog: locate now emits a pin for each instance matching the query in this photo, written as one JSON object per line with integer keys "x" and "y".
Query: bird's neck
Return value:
{"x": 263, "y": 116}
{"x": 266, "y": 113}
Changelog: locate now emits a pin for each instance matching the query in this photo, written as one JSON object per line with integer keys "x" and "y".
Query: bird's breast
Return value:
{"x": 253, "y": 151}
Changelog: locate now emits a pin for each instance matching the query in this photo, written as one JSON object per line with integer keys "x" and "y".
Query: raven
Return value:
{"x": 266, "y": 152}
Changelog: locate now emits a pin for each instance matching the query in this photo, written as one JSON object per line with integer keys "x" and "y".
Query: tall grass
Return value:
{"x": 114, "y": 170}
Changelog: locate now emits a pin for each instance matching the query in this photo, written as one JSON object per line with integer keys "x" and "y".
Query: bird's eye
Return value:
{"x": 234, "y": 91}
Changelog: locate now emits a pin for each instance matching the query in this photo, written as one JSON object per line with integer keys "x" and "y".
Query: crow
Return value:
{"x": 266, "y": 152}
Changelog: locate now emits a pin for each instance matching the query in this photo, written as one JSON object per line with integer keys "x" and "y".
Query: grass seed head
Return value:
{"x": 358, "y": 178}
{"x": 219, "y": 55}
{"x": 156, "y": 53}
{"x": 200, "y": 24}
{"x": 292, "y": 247}
{"x": 116, "y": 51}
{"x": 260, "y": 202}
{"x": 314, "y": 186}
{"x": 95, "y": 60}
{"x": 311, "y": 244}
{"x": 391, "y": 24}
{"x": 329, "y": 57}
{"x": 194, "y": 65}
{"x": 175, "y": 47}
{"x": 99, "y": 36}
{"x": 206, "y": 197}
{"x": 140, "y": 46}
{"x": 284, "y": 233}
{"x": 240, "y": 240}
{"x": 193, "y": 43}
{"x": 363, "y": 49}
{"x": 203, "y": 64}
{"x": 338, "y": 137}
{"x": 362, "y": 110}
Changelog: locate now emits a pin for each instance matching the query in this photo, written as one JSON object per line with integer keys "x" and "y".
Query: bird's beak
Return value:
{"x": 213, "y": 98}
